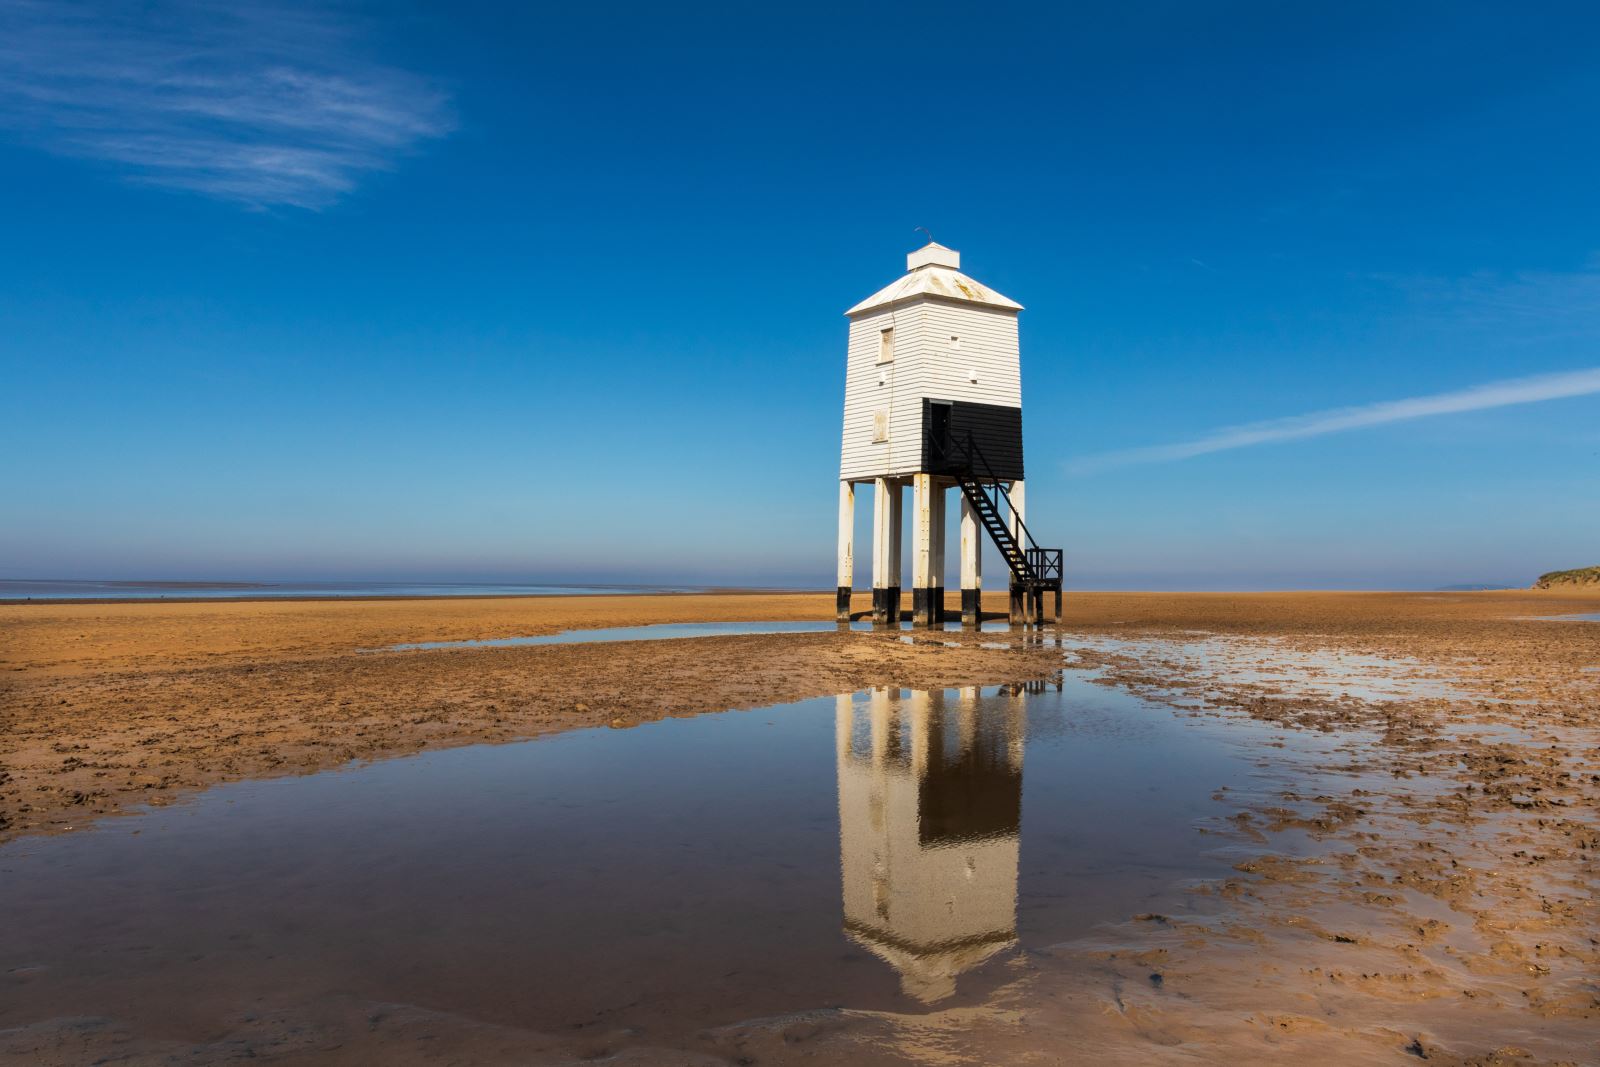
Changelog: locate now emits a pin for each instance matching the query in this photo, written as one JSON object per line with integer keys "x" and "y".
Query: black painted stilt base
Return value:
{"x": 927, "y": 606}
{"x": 841, "y": 610}
{"x": 971, "y": 607}
{"x": 1018, "y": 610}
{"x": 886, "y": 606}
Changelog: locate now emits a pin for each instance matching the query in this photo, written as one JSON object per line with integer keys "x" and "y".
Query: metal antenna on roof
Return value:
{"x": 924, "y": 229}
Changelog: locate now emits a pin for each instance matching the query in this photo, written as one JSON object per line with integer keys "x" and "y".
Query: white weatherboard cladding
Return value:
{"x": 926, "y": 365}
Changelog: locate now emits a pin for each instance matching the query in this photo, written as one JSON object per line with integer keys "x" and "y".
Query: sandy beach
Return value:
{"x": 1441, "y": 906}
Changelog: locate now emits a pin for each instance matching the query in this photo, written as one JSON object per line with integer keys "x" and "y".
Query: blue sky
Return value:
{"x": 481, "y": 291}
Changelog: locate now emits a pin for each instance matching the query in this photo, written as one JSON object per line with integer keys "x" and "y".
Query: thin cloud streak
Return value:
{"x": 263, "y": 104}
{"x": 1297, "y": 427}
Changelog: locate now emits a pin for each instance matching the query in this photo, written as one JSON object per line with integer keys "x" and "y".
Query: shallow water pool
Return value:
{"x": 890, "y": 850}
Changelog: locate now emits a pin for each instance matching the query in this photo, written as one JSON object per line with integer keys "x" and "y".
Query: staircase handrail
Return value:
{"x": 974, "y": 451}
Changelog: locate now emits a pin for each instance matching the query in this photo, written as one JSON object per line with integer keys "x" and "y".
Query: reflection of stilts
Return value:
{"x": 1037, "y": 685}
{"x": 930, "y": 803}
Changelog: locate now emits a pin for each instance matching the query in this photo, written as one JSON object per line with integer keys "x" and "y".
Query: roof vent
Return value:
{"x": 933, "y": 254}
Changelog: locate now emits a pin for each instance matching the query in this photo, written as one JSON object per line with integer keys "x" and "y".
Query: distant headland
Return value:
{"x": 1581, "y": 576}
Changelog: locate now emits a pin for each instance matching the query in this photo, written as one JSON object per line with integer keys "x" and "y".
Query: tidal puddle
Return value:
{"x": 1568, "y": 618}
{"x": 668, "y": 631}
{"x": 893, "y": 850}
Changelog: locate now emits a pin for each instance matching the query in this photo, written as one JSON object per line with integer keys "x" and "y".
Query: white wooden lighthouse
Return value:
{"x": 933, "y": 400}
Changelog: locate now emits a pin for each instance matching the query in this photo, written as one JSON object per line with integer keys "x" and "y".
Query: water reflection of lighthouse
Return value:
{"x": 930, "y": 803}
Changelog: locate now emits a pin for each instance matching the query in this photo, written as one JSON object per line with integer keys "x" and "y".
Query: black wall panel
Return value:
{"x": 994, "y": 428}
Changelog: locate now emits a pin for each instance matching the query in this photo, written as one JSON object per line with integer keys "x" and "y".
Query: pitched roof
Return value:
{"x": 932, "y": 272}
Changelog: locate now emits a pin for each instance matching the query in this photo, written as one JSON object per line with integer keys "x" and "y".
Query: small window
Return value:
{"x": 886, "y": 345}
{"x": 880, "y": 426}
{"x": 955, "y": 342}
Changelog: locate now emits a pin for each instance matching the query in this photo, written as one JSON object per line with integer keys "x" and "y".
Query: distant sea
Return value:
{"x": 12, "y": 589}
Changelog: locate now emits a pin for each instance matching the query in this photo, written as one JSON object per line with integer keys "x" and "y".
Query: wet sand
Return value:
{"x": 1442, "y": 906}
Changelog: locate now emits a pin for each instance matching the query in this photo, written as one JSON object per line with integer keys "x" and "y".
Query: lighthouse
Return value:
{"x": 933, "y": 402}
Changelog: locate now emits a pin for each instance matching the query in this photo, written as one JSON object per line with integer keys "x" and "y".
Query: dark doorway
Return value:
{"x": 939, "y": 432}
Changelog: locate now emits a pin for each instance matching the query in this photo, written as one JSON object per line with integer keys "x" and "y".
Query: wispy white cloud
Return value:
{"x": 1477, "y": 398}
{"x": 264, "y": 104}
